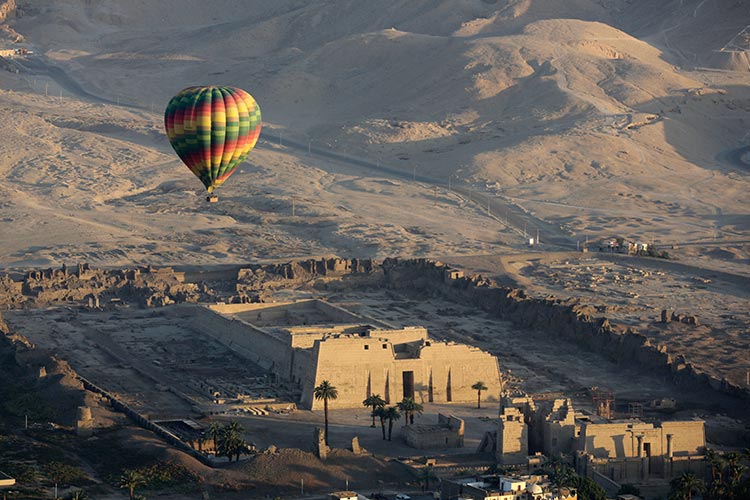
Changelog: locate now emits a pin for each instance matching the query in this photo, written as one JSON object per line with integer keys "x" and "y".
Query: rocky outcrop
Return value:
{"x": 669, "y": 316}
{"x": 3, "y": 326}
{"x": 255, "y": 282}
{"x": 98, "y": 288}
{"x": 7, "y": 10}
{"x": 157, "y": 287}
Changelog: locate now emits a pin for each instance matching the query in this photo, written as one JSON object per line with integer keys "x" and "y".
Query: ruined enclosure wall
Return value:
{"x": 301, "y": 312}
{"x": 338, "y": 314}
{"x": 449, "y": 433}
{"x": 565, "y": 319}
{"x": 267, "y": 351}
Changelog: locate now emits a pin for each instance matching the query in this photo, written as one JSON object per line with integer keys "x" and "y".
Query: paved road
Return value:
{"x": 37, "y": 65}
{"x": 501, "y": 210}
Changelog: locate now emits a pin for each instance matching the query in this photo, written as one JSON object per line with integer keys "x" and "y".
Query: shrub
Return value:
{"x": 64, "y": 474}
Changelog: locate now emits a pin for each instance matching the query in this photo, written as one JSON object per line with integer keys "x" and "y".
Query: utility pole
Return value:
{"x": 279, "y": 137}
{"x": 434, "y": 189}
{"x": 309, "y": 146}
{"x": 46, "y": 86}
{"x": 302, "y": 486}
{"x": 488, "y": 205}
{"x": 537, "y": 236}
{"x": 292, "y": 206}
{"x": 414, "y": 173}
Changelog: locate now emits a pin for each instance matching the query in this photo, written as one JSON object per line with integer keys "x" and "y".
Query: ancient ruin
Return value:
{"x": 311, "y": 341}
{"x": 448, "y": 432}
{"x": 621, "y": 450}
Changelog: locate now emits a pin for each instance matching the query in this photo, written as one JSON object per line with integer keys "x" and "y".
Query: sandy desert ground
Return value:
{"x": 593, "y": 117}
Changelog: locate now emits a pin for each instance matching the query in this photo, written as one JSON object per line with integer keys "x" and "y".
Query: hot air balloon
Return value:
{"x": 212, "y": 129}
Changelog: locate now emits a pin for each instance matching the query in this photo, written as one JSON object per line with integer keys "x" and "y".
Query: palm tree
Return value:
{"x": 391, "y": 413}
{"x": 214, "y": 432}
{"x": 374, "y": 401}
{"x": 131, "y": 479}
{"x": 716, "y": 487}
{"x": 380, "y": 413}
{"x": 78, "y": 495}
{"x": 325, "y": 391}
{"x": 686, "y": 484}
{"x": 479, "y": 387}
{"x": 230, "y": 441}
{"x": 734, "y": 468}
{"x": 409, "y": 407}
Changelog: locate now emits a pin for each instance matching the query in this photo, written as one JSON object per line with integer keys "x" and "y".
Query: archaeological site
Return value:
{"x": 173, "y": 351}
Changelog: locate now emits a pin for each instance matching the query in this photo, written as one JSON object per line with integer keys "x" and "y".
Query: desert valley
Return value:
{"x": 557, "y": 186}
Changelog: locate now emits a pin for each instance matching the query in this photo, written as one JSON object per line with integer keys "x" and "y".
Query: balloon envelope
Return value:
{"x": 212, "y": 129}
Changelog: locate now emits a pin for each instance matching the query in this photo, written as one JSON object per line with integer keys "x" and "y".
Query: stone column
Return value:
{"x": 670, "y": 451}
{"x": 640, "y": 455}
{"x": 640, "y": 446}
{"x": 669, "y": 446}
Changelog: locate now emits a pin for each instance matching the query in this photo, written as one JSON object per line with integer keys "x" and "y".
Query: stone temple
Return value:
{"x": 306, "y": 342}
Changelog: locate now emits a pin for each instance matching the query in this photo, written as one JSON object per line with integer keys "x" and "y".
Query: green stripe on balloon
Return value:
{"x": 218, "y": 128}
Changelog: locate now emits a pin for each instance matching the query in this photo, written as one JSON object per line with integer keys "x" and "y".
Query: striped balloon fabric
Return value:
{"x": 212, "y": 129}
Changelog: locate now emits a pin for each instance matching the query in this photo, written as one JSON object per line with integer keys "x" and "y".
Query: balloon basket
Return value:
{"x": 212, "y": 198}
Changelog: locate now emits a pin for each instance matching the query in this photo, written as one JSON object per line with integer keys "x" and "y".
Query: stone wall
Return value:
{"x": 358, "y": 366}
{"x": 448, "y": 433}
{"x": 512, "y": 437}
{"x": 267, "y": 350}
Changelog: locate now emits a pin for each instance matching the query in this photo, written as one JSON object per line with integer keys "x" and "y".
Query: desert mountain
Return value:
{"x": 600, "y": 117}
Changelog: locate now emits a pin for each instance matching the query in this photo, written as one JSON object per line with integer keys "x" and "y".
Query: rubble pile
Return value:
{"x": 254, "y": 283}
{"x": 99, "y": 288}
